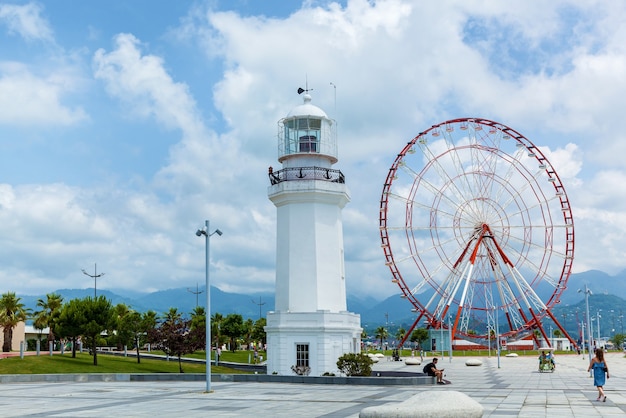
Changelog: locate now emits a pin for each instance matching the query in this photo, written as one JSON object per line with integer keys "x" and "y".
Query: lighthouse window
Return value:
{"x": 302, "y": 355}
{"x": 308, "y": 143}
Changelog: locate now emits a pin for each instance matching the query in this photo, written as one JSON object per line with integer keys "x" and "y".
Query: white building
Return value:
{"x": 310, "y": 327}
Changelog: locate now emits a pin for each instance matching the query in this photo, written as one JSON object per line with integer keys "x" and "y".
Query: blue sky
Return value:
{"x": 123, "y": 125}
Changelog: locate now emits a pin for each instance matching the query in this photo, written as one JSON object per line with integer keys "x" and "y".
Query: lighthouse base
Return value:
{"x": 310, "y": 339}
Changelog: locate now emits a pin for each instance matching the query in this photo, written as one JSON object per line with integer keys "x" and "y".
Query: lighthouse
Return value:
{"x": 310, "y": 327}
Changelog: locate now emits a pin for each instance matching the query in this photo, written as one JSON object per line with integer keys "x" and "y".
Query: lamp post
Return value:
{"x": 582, "y": 327}
{"x": 587, "y": 293}
{"x": 441, "y": 332}
{"x": 200, "y": 232}
{"x": 94, "y": 277}
{"x": 260, "y": 304}
{"x": 598, "y": 319}
{"x": 450, "y": 334}
{"x": 196, "y": 292}
{"x": 497, "y": 338}
{"x": 551, "y": 340}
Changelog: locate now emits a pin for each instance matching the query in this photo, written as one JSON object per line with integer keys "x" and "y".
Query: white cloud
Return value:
{"x": 28, "y": 99}
{"x": 26, "y": 21}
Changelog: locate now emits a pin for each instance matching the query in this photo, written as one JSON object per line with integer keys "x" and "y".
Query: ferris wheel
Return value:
{"x": 476, "y": 227}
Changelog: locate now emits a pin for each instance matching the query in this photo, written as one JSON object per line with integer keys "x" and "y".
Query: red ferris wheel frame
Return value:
{"x": 471, "y": 240}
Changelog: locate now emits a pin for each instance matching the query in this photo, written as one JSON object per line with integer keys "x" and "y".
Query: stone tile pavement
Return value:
{"x": 515, "y": 389}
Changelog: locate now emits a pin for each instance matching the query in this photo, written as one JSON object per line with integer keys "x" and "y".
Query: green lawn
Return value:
{"x": 83, "y": 363}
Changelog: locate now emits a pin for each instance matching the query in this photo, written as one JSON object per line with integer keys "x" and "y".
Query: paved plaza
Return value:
{"x": 514, "y": 389}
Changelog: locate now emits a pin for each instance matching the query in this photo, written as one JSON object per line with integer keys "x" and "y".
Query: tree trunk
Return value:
{"x": 8, "y": 339}
{"x": 180, "y": 365}
{"x": 137, "y": 345}
{"x": 95, "y": 351}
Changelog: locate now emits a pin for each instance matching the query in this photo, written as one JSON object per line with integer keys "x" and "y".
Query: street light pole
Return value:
{"x": 94, "y": 277}
{"x": 260, "y": 304}
{"x": 207, "y": 235}
{"x": 450, "y": 334}
{"x": 498, "y": 338}
{"x": 598, "y": 319}
{"x": 590, "y": 335}
{"x": 197, "y": 292}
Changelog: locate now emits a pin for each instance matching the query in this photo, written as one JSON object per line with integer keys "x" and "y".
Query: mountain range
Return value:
{"x": 607, "y": 300}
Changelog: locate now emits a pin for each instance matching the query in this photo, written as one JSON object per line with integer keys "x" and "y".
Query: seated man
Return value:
{"x": 432, "y": 370}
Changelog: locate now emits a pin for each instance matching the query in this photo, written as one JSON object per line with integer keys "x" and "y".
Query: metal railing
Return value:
{"x": 306, "y": 173}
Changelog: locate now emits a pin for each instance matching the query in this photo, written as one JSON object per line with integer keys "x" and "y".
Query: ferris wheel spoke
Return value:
{"x": 443, "y": 173}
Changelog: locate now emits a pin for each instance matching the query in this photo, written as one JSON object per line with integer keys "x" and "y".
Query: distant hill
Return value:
{"x": 394, "y": 312}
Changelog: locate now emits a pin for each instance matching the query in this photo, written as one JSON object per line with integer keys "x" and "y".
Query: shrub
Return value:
{"x": 301, "y": 370}
{"x": 352, "y": 364}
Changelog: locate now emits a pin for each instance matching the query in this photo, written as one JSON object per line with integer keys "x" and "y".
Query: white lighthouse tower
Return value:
{"x": 310, "y": 327}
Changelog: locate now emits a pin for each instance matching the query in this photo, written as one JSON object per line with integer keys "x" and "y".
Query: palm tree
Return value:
{"x": 381, "y": 334}
{"x": 400, "y": 334}
{"x": 12, "y": 312}
{"x": 121, "y": 314}
{"x": 216, "y": 328}
{"x": 248, "y": 331}
{"x": 48, "y": 314}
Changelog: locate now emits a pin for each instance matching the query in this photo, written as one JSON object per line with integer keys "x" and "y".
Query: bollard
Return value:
{"x": 21, "y": 349}
{"x": 125, "y": 351}
{"x": 51, "y": 345}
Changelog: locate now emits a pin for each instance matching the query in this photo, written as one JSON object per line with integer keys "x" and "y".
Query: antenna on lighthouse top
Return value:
{"x": 307, "y": 89}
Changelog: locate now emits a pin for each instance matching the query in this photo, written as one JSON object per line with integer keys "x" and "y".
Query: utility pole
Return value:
{"x": 197, "y": 292}
{"x": 260, "y": 305}
{"x": 94, "y": 277}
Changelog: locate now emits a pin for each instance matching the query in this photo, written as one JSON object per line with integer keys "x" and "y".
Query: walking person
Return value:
{"x": 600, "y": 373}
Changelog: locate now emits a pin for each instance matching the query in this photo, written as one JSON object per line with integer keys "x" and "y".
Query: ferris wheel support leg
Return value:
{"x": 558, "y": 324}
{"x": 408, "y": 333}
{"x": 508, "y": 320}
{"x": 540, "y": 327}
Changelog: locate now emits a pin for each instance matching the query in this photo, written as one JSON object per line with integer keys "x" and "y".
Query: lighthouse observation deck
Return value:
{"x": 306, "y": 173}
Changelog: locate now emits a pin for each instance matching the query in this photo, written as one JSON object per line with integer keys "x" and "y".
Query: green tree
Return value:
{"x": 381, "y": 334}
{"x": 198, "y": 317}
{"x": 99, "y": 317}
{"x": 70, "y": 322}
{"x": 618, "y": 340}
{"x": 258, "y": 331}
{"x": 400, "y": 334}
{"x": 136, "y": 326}
{"x": 248, "y": 328}
{"x": 216, "y": 328}
{"x": 419, "y": 335}
{"x": 123, "y": 336}
{"x": 233, "y": 327}
{"x": 12, "y": 312}
{"x": 48, "y": 314}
